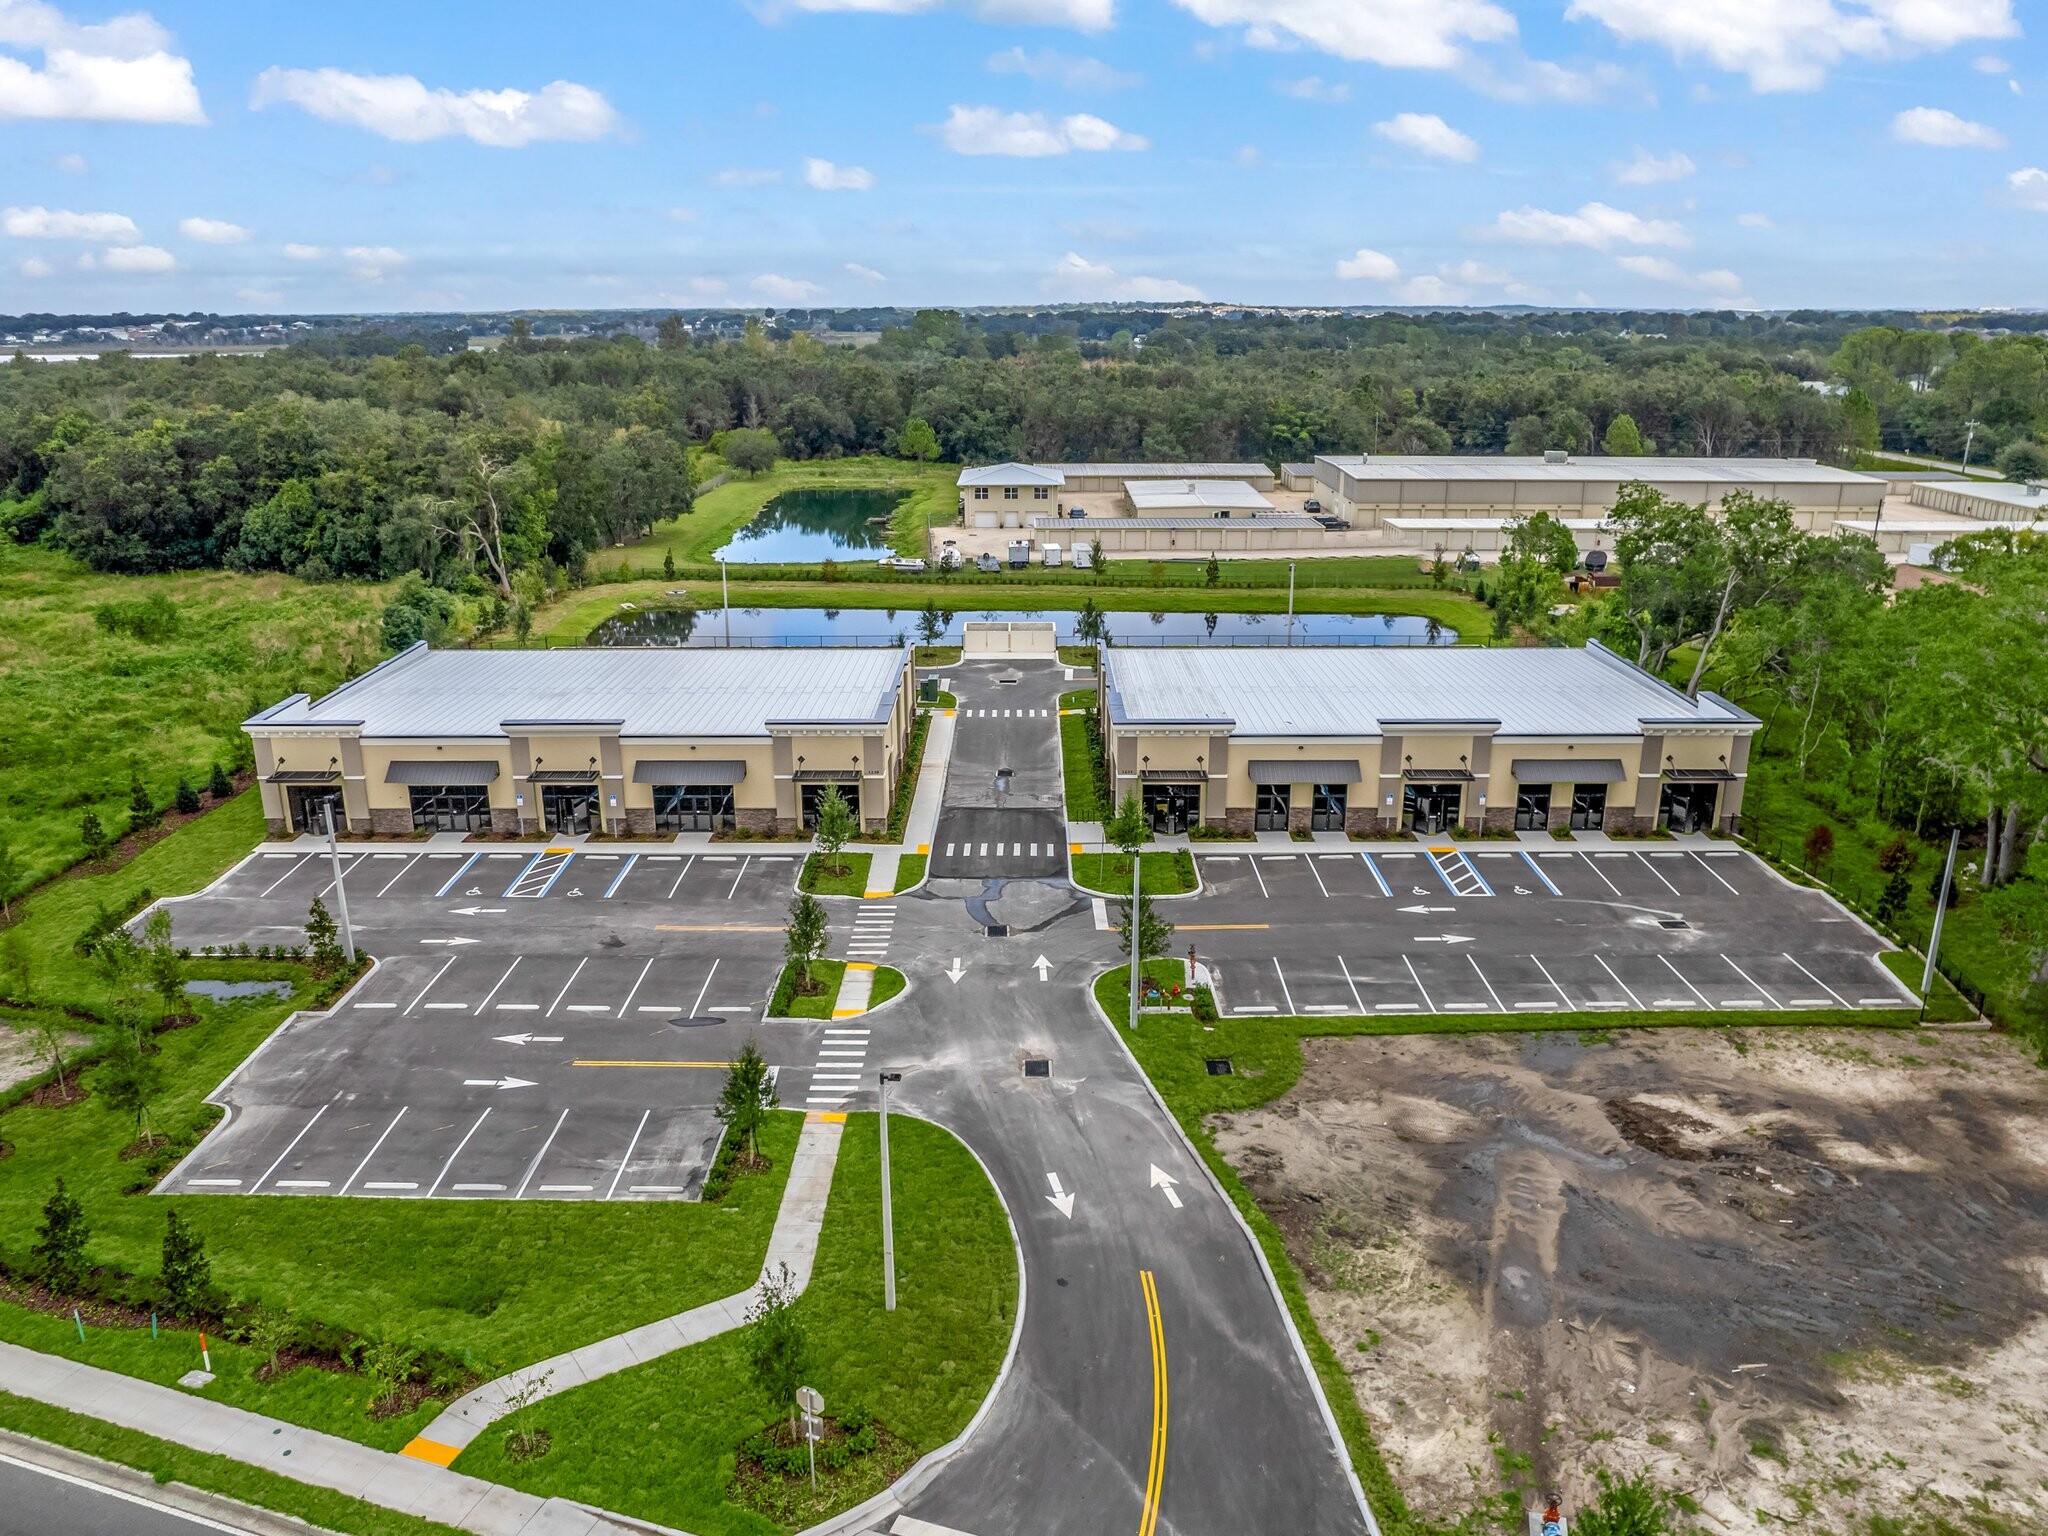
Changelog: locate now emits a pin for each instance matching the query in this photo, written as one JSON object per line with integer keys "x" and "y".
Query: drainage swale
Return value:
{"x": 1037, "y": 1066}
{"x": 1219, "y": 1066}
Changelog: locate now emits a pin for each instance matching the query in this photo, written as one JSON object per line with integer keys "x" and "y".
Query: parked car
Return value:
{"x": 1311, "y": 506}
{"x": 1332, "y": 522}
{"x": 987, "y": 564}
{"x": 1594, "y": 560}
{"x": 902, "y": 564}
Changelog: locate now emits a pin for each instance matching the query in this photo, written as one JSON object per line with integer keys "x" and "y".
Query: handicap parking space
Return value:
{"x": 1408, "y": 872}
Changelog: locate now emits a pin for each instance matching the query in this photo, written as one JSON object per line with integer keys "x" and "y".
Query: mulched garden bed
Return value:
{"x": 55, "y": 1096}
{"x": 787, "y": 1497}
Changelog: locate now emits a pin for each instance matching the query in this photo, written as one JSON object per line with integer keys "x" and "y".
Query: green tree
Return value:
{"x": 747, "y": 1098}
{"x": 269, "y": 1332}
{"x": 1155, "y": 933}
{"x": 185, "y": 1273}
{"x": 142, "y": 809}
{"x": 778, "y": 1347}
{"x": 803, "y": 938}
{"x": 323, "y": 940}
{"x": 1212, "y": 572}
{"x": 522, "y": 620}
{"x": 1090, "y": 627}
{"x": 917, "y": 440}
{"x": 1542, "y": 538}
{"x": 2024, "y": 460}
{"x": 668, "y": 565}
{"x": 130, "y": 1082}
{"x": 1128, "y": 827}
{"x": 1097, "y": 560}
{"x": 750, "y": 450}
{"x": 185, "y": 800}
{"x": 930, "y": 623}
{"x": 1859, "y": 421}
{"x": 389, "y": 1365}
{"x": 1623, "y": 440}
{"x": 220, "y": 786}
{"x": 163, "y": 964}
{"x": 59, "y": 1252}
{"x": 836, "y": 824}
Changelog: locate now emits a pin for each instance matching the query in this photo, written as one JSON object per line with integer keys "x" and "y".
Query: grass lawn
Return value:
{"x": 1077, "y": 768}
{"x": 658, "y": 1441}
{"x": 1078, "y": 655}
{"x": 888, "y": 983}
{"x": 1160, "y": 874}
{"x": 941, "y": 700}
{"x": 168, "y": 1463}
{"x": 820, "y": 879}
{"x": 910, "y": 869}
{"x": 1265, "y": 1056}
{"x": 1078, "y": 698}
{"x": 721, "y": 512}
{"x": 83, "y": 706}
{"x": 789, "y": 1004}
{"x": 1945, "y": 1005}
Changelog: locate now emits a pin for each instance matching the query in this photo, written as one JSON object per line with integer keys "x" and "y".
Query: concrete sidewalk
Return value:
{"x": 307, "y": 1456}
{"x": 856, "y": 986}
{"x": 794, "y": 1242}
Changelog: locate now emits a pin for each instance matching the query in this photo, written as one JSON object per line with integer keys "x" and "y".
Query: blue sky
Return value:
{"x": 225, "y": 155}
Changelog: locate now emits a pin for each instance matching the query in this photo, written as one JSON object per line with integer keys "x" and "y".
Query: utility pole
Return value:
{"x": 888, "y": 1211}
{"x": 1970, "y": 438}
{"x": 725, "y": 601}
{"x": 348, "y": 935}
{"x": 1948, "y": 873}
{"x": 1137, "y": 867}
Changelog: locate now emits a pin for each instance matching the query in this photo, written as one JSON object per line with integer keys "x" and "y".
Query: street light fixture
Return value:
{"x": 888, "y": 1211}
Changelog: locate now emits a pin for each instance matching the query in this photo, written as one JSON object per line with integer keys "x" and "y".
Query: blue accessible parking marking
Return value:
{"x": 541, "y": 872}
{"x": 1458, "y": 872}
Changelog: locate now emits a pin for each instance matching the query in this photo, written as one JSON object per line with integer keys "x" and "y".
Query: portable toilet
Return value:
{"x": 1083, "y": 559}
{"x": 1052, "y": 554}
{"x": 1020, "y": 554}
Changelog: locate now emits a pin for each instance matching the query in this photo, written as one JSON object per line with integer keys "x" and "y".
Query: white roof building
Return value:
{"x": 1168, "y": 496}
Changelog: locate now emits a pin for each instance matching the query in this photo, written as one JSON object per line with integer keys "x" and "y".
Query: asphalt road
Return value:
{"x": 1004, "y": 815}
{"x": 36, "y": 1502}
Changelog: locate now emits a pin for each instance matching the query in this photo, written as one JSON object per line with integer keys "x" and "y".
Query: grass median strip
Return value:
{"x": 1160, "y": 874}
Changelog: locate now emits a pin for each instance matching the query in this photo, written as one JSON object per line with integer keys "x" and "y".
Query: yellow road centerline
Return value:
{"x": 1155, "y": 1470}
{"x": 705, "y": 1065}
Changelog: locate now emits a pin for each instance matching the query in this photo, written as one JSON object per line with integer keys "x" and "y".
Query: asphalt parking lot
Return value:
{"x": 1472, "y": 928}
{"x": 542, "y": 1023}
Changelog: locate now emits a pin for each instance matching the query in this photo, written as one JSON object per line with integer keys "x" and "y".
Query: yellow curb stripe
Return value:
{"x": 422, "y": 1449}
{"x": 860, "y": 965}
{"x": 871, "y": 895}
{"x": 924, "y": 847}
{"x": 848, "y": 1013}
{"x": 826, "y": 1117}
{"x": 1076, "y": 847}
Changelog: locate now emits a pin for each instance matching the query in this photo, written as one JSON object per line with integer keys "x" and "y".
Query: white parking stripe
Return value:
{"x": 480, "y": 1119}
{"x": 629, "y": 1153}
{"x": 480, "y": 1007}
{"x": 280, "y": 880}
{"x": 375, "y": 1184}
{"x": 533, "y": 1167}
{"x": 1653, "y": 869}
{"x": 1598, "y": 871}
{"x": 680, "y": 875}
{"x": 1259, "y": 877}
{"x": 628, "y": 1003}
{"x": 1738, "y": 970}
{"x": 1286, "y": 996}
{"x": 1484, "y": 982}
{"x": 401, "y": 874}
{"x": 1619, "y": 982}
{"x": 287, "y": 1152}
{"x": 697, "y": 1008}
{"x": 1695, "y": 991}
{"x": 565, "y": 987}
{"x": 1717, "y": 875}
{"x": 1319, "y": 877}
{"x": 1553, "y": 981}
{"x": 1426, "y": 1003}
{"x": 1356, "y": 1000}
{"x": 430, "y": 985}
{"x": 1831, "y": 992}
{"x": 371, "y": 1153}
{"x": 736, "y": 879}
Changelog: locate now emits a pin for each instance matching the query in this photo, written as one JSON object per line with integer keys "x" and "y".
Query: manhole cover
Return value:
{"x": 998, "y": 930}
{"x": 1673, "y": 922}
{"x": 1219, "y": 1066}
{"x": 1038, "y": 1066}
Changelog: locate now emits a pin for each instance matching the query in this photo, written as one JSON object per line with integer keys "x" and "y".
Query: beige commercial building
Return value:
{"x": 623, "y": 742}
{"x": 1364, "y": 739}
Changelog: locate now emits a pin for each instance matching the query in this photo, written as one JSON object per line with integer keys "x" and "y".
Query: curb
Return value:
{"x": 120, "y": 1481}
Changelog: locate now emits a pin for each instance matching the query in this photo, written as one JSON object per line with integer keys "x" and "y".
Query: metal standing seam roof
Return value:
{"x": 1012, "y": 474}
{"x": 689, "y": 771}
{"x": 642, "y": 693}
{"x": 1163, "y": 495}
{"x": 1193, "y": 520}
{"x": 1161, "y": 471}
{"x": 435, "y": 771}
{"x": 1600, "y": 469}
{"x": 1568, "y": 770}
{"x": 1998, "y": 496}
{"x": 1360, "y": 691}
{"x": 1310, "y": 770}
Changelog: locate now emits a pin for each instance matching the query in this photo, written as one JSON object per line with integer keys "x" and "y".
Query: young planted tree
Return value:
{"x": 185, "y": 1273}
{"x": 94, "y": 835}
{"x": 1212, "y": 572}
{"x": 220, "y": 786}
{"x": 836, "y": 824}
{"x": 1097, "y": 559}
{"x": 186, "y": 799}
{"x": 59, "y": 1252}
{"x": 1819, "y": 846}
{"x": 803, "y": 940}
{"x": 668, "y": 565}
{"x": 270, "y": 1331}
{"x": 142, "y": 809}
{"x": 778, "y": 1348}
{"x": 1128, "y": 827}
{"x": 162, "y": 963}
{"x": 930, "y": 625}
{"x": 747, "y": 1098}
{"x": 389, "y": 1366}
{"x": 130, "y": 1082}
{"x": 1155, "y": 933}
{"x": 323, "y": 939}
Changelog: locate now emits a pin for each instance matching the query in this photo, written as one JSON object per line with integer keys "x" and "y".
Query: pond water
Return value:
{"x": 894, "y": 626}
{"x": 228, "y": 991}
{"x": 807, "y": 526}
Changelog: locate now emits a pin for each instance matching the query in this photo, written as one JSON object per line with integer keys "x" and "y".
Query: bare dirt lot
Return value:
{"x": 1800, "y": 1276}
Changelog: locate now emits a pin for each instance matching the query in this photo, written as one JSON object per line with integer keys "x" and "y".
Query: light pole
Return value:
{"x": 1948, "y": 873}
{"x": 348, "y": 936}
{"x": 888, "y": 1210}
{"x": 1137, "y": 867}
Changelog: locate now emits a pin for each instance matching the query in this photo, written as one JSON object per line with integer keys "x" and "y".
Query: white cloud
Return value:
{"x": 262, "y": 298}
{"x": 1990, "y": 64}
{"x": 865, "y": 274}
{"x": 1030, "y": 135}
{"x": 708, "y": 287}
{"x": 1078, "y": 278}
{"x": 1368, "y": 265}
{"x": 744, "y": 176}
{"x": 1314, "y": 88}
{"x": 74, "y": 165}
{"x": 1661, "y": 269}
{"x": 682, "y": 215}
{"x": 1084, "y": 15}
{"x": 370, "y": 263}
{"x": 1944, "y": 130}
{"x": 785, "y": 290}
{"x": 1595, "y": 224}
{"x": 1049, "y": 67}
{"x": 40, "y": 223}
{"x": 1756, "y": 221}
{"x": 1790, "y": 45}
{"x": 1430, "y": 289}
{"x": 35, "y": 266}
{"x": 1643, "y": 169}
{"x": 1427, "y": 134}
{"x": 400, "y": 107}
{"x": 1407, "y": 34}
{"x": 139, "y": 258}
{"x": 824, "y": 176}
{"x": 1527, "y": 80}
{"x": 120, "y": 71}
{"x": 2029, "y": 188}
{"x": 296, "y": 252}
{"x": 213, "y": 231}
{"x": 1481, "y": 275}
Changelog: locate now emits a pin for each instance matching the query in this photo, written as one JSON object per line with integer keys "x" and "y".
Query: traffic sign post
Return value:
{"x": 812, "y": 1402}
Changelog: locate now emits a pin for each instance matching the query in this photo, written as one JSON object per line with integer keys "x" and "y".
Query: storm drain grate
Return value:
{"x": 1038, "y": 1066}
{"x": 1219, "y": 1066}
{"x": 1673, "y": 922}
{"x": 998, "y": 930}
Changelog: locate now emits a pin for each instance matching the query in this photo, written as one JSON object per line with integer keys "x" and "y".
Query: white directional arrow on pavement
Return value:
{"x": 1443, "y": 938}
{"x": 500, "y": 1083}
{"x": 1426, "y": 910}
{"x": 957, "y": 972}
{"x": 1061, "y": 1198}
{"x": 1043, "y": 966}
{"x": 529, "y": 1039}
{"x": 451, "y": 941}
{"x": 1161, "y": 1179}
{"x": 473, "y": 911}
